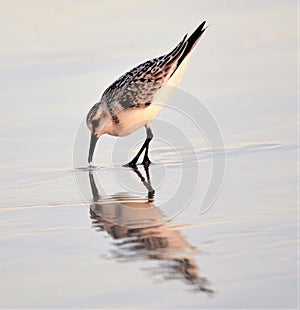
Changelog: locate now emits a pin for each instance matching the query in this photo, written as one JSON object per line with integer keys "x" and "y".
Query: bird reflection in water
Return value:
{"x": 143, "y": 233}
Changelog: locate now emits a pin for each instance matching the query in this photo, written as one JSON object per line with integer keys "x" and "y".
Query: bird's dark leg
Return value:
{"x": 146, "y": 160}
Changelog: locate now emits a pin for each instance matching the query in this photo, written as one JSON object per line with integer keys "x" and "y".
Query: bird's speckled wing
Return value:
{"x": 138, "y": 87}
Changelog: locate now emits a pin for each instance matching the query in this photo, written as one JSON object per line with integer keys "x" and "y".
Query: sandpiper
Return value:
{"x": 129, "y": 103}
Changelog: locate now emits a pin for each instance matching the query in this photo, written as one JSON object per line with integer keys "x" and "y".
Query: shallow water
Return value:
{"x": 79, "y": 238}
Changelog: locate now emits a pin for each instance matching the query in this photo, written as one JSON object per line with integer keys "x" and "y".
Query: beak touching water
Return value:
{"x": 93, "y": 142}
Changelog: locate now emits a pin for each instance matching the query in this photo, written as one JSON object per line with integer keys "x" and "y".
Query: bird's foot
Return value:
{"x": 146, "y": 162}
{"x": 151, "y": 195}
{"x": 131, "y": 164}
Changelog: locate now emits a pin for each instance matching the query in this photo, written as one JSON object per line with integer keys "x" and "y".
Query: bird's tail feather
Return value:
{"x": 191, "y": 42}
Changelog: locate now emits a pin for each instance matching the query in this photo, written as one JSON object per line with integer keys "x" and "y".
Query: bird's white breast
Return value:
{"x": 131, "y": 120}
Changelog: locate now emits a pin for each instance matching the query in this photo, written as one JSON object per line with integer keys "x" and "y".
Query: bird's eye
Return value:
{"x": 95, "y": 122}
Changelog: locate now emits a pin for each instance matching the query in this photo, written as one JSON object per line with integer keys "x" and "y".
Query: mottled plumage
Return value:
{"x": 128, "y": 103}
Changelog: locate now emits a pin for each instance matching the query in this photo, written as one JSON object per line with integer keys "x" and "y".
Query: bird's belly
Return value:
{"x": 131, "y": 120}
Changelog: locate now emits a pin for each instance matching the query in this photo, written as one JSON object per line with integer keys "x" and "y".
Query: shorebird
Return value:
{"x": 129, "y": 103}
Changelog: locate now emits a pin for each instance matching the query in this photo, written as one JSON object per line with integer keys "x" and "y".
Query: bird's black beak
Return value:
{"x": 93, "y": 142}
